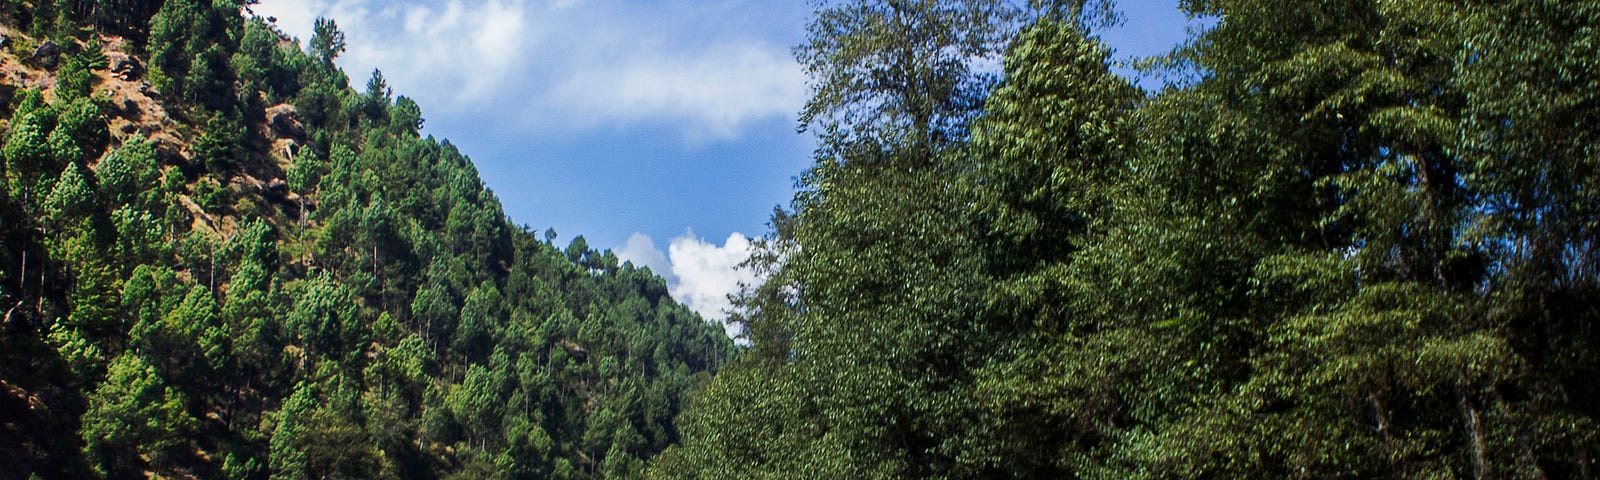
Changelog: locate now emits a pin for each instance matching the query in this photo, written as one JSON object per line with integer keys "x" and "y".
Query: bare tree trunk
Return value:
{"x": 383, "y": 290}
{"x": 38, "y": 307}
{"x": 12, "y": 311}
{"x": 1378, "y": 414}
{"x": 1469, "y": 417}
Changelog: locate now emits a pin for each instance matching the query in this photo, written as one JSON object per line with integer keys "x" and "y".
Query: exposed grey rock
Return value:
{"x": 284, "y": 120}
{"x": 124, "y": 66}
{"x": 46, "y": 50}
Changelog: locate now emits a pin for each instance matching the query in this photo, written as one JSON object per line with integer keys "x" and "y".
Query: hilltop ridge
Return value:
{"x": 220, "y": 261}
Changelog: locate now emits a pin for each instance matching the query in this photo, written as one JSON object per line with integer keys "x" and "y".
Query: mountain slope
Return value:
{"x": 219, "y": 261}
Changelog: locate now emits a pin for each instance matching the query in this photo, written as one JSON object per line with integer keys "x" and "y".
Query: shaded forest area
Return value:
{"x": 221, "y": 261}
{"x": 1349, "y": 239}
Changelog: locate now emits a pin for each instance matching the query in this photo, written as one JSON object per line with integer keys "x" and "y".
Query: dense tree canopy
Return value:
{"x": 1357, "y": 241}
{"x": 191, "y": 298}
{"x": 1339, "y": 251}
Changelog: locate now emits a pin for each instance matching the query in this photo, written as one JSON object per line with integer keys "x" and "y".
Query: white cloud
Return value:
{"x": 459, "y": 54}
{"x": 719, "y": 88}
{"x": 700, "y": 274}
{"x": 642, "y": 251}
{"x": 565, "y": 65}
{"x": 708, "y": 273}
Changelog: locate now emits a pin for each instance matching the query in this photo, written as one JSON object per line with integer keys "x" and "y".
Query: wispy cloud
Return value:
{"x": 701, "y": 274}
{"x": 719, "y": 89}
{"x": 567, "y": 65}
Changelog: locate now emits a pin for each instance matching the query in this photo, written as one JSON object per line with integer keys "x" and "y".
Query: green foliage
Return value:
{"x": 71, "y": 198}
{"x": 1053, "y": 139}
{"x": 133, "y": 414}
{"x": 219, "y": 146}
{"x": 401, "y": 327}
{"x": 84, "y": 124}
{"x": 406, "y": 116}
{"x": 324, "y": 319}
{"x": 74, "y": 79}
{"x": 189, "y": 47}
{"x": 475, "y": 403}
{"x": 753, "y": 416}
{"x": 1357, "y": 244}
{"x": 1317, "y": 259}
{"x": 316, "y": 440}
{"x": 28, "y": 154}
{"x": 327, "y": 41}
{"x": 129, "y": 175}
{"x": 478, "y": 322}
{"x": 897, "y": 75}
{"x": 141, "y": 236}
{"x": 306, "y": 173}
{"x": 81, "y": 355}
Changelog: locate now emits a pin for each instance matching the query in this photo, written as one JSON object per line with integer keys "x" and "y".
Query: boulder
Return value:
{"x": 284, "y": 121}
{"x": 46, "y": 51}
{"x": 277, "y": 186}
{"x": 275, "y": 190}
{"x": 124, "y": 66}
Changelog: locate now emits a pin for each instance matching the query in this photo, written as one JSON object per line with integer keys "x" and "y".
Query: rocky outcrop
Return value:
{"x": 46, "y": 51}
{"x": 284, "y": 121}
{"x": 124, "y": 66}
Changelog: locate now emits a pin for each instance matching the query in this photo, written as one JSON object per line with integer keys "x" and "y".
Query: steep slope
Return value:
{"x": 220, "y": 261}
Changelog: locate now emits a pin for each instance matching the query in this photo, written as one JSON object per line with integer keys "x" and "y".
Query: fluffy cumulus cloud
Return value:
{"x": 700, "y": 274}
{"x": 642, "y": 251}
{"x": 563, "y": 65}
{"x": 708, "y": 273}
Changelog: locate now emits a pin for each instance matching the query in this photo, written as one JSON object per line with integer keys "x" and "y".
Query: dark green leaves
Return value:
{"x": 1344, "y": 251}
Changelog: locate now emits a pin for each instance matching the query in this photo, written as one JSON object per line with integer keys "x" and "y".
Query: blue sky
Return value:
{"x": 662, "y": 129}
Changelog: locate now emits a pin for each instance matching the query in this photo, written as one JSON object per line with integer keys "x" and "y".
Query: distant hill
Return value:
{"x": 217, "y": 260}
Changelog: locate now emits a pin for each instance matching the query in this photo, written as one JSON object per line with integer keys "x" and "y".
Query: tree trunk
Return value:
{"x": 1469, "y": 417}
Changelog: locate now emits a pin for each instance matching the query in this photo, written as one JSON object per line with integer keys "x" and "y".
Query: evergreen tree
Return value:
{"x": 133, "y": 414}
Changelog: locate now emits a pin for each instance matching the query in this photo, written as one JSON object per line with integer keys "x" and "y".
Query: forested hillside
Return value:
{"x": 1347, "y": 239}
{"x": 220, "y": 261}
{"x": 1351, "y": 239}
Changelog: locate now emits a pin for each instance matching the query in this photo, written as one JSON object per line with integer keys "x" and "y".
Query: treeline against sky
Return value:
{"x": 1351, "y": 239}
{"x": 278, "y": 277}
